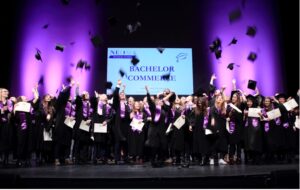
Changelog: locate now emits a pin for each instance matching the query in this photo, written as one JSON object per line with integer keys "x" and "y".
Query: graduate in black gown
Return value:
{"x": 6, "y": 129}
{"x": 120, "y": 125}
{"x": 273, "y": 136}
{"x": 253, "y": 134}
{"x": 47, "y": 124}
{"x": 198, "y": 122}
{"x": 157, "y": 139}
{"x": 136, "y": 137}
{"x": 62, "y": 134}
{"x": 23, "y": 125}
{"x": 84, "y": 113}
{"x": 286, "y": 123}
{"x": 178, "y": 135}
{"x": 102, "y": 115}
{"x": 217, "y": 125}
{"x": 235, "y": 128}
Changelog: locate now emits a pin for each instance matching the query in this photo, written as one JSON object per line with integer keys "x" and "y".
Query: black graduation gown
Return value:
{"x": 286, "y": 128}
{"x": 120, "y": 126}
{"x": 157, "y": 130}
{"x": 177, "y": 140}
{"x": 218, "y": 138}
{"x": 136, "y": 140}
{"x": 253, "y": 134}
{"x": 23, "y": 125}
{"x": 96, "y": 118}
{"x": 6, "y": 129}
{"x": 82, "y": 135}
{"x": 37, "y": 128}
{"x": 235, "y": 135}
{"x": 272, "y": 135}
{"x": 48, "y": 126}
{"x": 62, "y": 134}
{"x": 200, "y": 143}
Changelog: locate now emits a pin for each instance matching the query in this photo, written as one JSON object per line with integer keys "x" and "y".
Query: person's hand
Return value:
{"x": 190, "y": 128}
{"x": 96, "y": 94}
{"x": 104, "y": 123}
{"x": 233, "y": 81}
{"x": 92, "y": 137}
{"x": 119, "y": 82}
{"x": 213, "y": 77}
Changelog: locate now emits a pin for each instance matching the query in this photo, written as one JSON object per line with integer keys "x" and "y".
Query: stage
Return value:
{"x": 144, "y": 176}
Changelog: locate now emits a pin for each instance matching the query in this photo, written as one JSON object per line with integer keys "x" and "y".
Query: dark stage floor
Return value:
{"x": 126, "y": 176}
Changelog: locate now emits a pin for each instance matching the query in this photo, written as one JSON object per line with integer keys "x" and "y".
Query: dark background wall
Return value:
{"x": 169, "y": 23}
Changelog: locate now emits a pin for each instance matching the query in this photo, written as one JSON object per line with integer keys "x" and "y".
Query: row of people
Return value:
{"x": 205, "y": 128}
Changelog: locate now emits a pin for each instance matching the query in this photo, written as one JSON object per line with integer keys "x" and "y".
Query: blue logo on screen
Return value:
{"x": 121, "y": 54}
{"x": 181, "y": 56}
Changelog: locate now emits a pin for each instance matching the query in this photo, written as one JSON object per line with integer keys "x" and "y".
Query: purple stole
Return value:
{"x": 206, "y": 118}
{"x": 86, "y": 109}
{"x": 122, "y": 109}
{"x": 146, "y": 108}
{"x": 231, "y": 127}
{"x": 23, "y": 120}
{"x": 157, "y": 113}
{"x": 138, "y": 116}
{"x": 70, "y": 110}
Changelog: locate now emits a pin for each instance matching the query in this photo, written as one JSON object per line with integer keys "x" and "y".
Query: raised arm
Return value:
{"x": 233, "y": 84}
{"x": 116, "y": 98}
{"x": 150, "y": 102}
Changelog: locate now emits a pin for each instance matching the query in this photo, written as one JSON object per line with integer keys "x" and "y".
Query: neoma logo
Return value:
{"x": 121, "y": 54}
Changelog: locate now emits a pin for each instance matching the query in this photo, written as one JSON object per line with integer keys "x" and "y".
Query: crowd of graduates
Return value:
{"x": 206, "y": 128}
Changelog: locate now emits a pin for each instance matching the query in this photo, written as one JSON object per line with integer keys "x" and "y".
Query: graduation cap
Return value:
{"x": 233, "y": 41}
{"x": 81, "y": 64}
{"x": 218, "y": 53}
{"x": 234, "y": 15}
{"x": 250, "y": 97}
{"x": 96, "y": 40}
{"x": 199, "y": 92}
{"x": 45, "y": 26}
{"x": 251, "y": 31}
{"x": 65, "y": 2}
{"x": 59, "y": 47}
{"x": 112, "y": 21}
{"x": 280, "y": 95}
{"x": 160, "y": 49}
{"x": 134, "y": 60}
{"x": 216, "y": 44}
{"x": 122, "y": 73}
{"x": 251, "y": 84}
{"x": 69, "y": 79}
{"x": 252, "y": 56}
{"x": 108, "y": 85}
{"x": 166, "y": 76}
{"x": 231, "y": 66}
{"x": 87, "y": 66}
{"x": 38, "y": 55}
{"x": 41, "y": 80}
